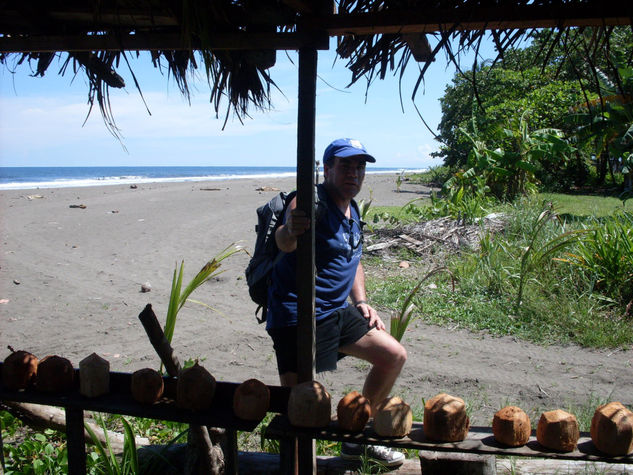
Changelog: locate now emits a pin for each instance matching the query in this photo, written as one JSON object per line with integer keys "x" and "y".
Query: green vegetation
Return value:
{"x": 571, "y": 273}
{"x": 27, "y": 451}
{"x": 580, "y": 116}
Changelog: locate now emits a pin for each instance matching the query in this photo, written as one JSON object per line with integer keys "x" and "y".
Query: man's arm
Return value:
{"x": 359, "y": 299}
{"x": 296, "y": 224}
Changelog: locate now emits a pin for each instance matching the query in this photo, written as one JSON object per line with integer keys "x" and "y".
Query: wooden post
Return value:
{"x": 305, "y": 244}
{"x": 76, "y": 440}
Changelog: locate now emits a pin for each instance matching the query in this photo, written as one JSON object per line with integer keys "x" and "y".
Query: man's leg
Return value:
{"x": 387, "y": 357}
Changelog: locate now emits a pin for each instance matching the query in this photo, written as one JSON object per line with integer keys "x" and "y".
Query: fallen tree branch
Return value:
{"x": 41, "y": 417}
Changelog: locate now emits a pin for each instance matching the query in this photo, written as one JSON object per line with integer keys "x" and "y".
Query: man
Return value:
{"x": 341, "y": 329}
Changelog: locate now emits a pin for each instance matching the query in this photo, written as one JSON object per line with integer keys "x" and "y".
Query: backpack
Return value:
{"x": 266, "y": 253}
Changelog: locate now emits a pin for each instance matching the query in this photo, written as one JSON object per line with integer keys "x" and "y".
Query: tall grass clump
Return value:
{"x": 606, "y": 257}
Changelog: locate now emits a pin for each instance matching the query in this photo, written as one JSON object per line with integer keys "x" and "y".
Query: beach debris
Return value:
{"x": 19, "y": 369}
{"x": 134, "y": 187}
{"x": 210, "y": 189}
{"x": 34, "y": 197}
{"x": 266, "y": 188}
{"x": 430, "y": 237}
{"x": 114, "y": 211}
{"x": 146, "y": 287}
{"x": 404, "y": 265}
{"x": 16, "y": 281}
{"x": 4, "y": 300}
{"x": 82, "y": 206}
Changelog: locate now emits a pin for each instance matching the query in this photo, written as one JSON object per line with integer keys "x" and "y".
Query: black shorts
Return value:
{"x": 343, "y": 327}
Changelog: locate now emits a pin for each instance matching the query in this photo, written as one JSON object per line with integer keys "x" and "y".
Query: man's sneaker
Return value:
{"x": 378, "y": 453}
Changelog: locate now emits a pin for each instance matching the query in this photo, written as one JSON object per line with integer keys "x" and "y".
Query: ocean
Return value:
{"x": 18, "y": 178}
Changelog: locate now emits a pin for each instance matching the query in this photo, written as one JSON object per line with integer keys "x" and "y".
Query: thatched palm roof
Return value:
{"x": 234, "y": 41}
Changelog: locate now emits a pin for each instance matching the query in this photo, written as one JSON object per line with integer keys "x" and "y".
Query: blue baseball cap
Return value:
{"x": 346, "y": 148}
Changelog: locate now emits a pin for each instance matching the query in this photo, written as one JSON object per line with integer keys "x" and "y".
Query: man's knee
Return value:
{"x": 399, "y": 355}
{"x": 393, "y": 356}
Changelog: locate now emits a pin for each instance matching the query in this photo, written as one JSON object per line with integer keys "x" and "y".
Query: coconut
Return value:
{"x": 558, "y": 430}
{"x": 445, "y": 418}
{"x": 94, "y": 376}
{"x": 195, "y": 389}
{"x": 511, "y": 426}
{"x": 612, "y": 429}
{"x": 251, "y": 400}
{"x": 309, "y": 405}
{"x": 393, "y": 418}
{"x": 147, "y": 386}
{"x": 353, "y": 411}
{"x": 54, "y": 374}
{"x": 19, "y": 369}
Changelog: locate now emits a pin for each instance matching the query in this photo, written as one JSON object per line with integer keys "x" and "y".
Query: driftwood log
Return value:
{"x": 42, "y": 417}
{"x": 205, "y": 453}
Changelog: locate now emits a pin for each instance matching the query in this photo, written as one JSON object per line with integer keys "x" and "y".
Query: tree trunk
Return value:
{"x": 42, "y": 417}
{"x": 601, "y": 167}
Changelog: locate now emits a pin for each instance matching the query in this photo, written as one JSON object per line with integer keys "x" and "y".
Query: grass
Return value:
{"x": 582, "y": 206}
{"x": 561, "y": 301}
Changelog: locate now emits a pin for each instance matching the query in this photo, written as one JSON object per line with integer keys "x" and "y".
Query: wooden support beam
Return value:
{"x": 514, "y": 17}
{"x": 76, "y": 441}
{"x": 305, "y": 245}
{"x": 305, "y": 202}
{"x": 300, "y": 6}
{"x": 161, "y": 41}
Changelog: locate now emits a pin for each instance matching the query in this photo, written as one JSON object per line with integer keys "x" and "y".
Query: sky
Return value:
{"x": 43, "y": 120}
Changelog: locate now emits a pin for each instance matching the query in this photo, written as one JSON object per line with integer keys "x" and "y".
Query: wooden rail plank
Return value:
{"x": 479, "y": 441}
{"x": 119, "y": 401}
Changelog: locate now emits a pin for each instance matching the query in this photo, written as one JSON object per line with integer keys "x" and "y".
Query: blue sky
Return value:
{"x": 42, "y": 119}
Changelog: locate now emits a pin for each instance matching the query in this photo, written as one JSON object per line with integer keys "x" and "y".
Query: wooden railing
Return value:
{"x": 119, "y": 401}
{"x": 478, "y": 441}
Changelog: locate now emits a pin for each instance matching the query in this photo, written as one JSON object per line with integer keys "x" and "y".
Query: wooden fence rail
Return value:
{"x": 119, "y": 401}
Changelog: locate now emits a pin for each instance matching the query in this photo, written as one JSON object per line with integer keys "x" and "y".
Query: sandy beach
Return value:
{"x": 71, "y": 277}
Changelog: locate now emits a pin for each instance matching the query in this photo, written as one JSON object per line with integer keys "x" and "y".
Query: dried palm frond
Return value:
{"x": 238, "y": 77}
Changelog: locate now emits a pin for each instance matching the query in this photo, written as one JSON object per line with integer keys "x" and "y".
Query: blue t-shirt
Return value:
{"x": 338, "y": 249}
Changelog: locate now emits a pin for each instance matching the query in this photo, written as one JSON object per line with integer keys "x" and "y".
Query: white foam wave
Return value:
{"x": 139, "y": 180}
{"x": 131, "y": 180}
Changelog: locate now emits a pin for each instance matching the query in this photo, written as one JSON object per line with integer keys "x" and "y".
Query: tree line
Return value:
{"x": 546, "y": 117}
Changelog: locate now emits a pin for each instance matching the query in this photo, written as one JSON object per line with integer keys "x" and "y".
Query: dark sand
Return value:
{"x": 70, "y": 284}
